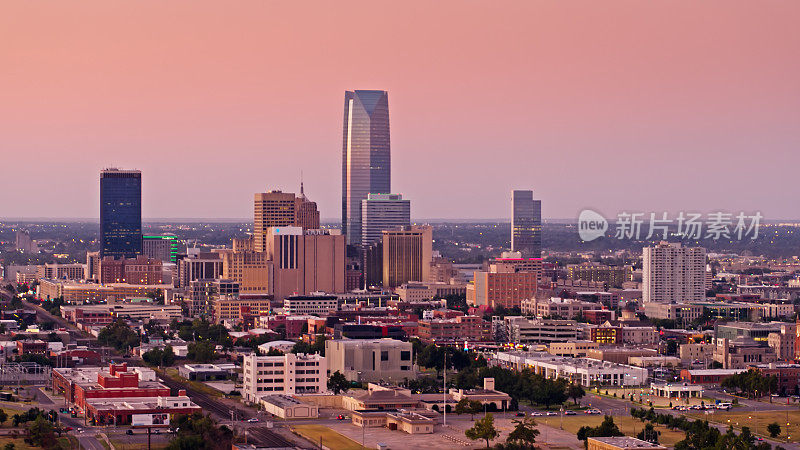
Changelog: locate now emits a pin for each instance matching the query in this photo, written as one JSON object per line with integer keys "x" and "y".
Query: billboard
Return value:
{"x": 146, "y": 420}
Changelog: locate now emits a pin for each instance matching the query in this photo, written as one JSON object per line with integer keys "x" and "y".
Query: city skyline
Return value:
{"x": 627, "y": 115}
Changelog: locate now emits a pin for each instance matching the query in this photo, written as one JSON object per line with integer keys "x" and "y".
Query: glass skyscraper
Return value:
{"x": 120, "y": 213}
{"x": 366, "y": 156}
{"x": 526, "y": 224}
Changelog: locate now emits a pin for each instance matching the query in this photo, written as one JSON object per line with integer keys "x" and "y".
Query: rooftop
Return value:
{"x": 627, "y": 442}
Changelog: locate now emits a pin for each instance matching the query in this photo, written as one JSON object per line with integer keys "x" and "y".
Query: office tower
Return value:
{"x": 281, "y": 209}
{"x": 93, "y": 266}
{"x": 306, "y": 212}
{"x": 407, "y": 255}
{"x": 163, "y": 247}
{"x": 366, "y": 157}
{"x": 382, "y": 212}
{"x": 272, "y": 209}
{"x": 24, "y": 243}
{"x": 673, "y": 273}
{"x": 251, "y": 270}
{"x": 305, "y": 261}
{"x": 120, "y": 213}
{"x": 503, "y": 284}
{"x": 199, "y": 266}
{"x": 526, "y": 224}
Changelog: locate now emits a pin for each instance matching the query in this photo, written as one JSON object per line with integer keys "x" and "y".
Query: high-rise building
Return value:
{"x": 305, "y": 261}
{"x": 526, "y": 224}
{"x": 120, "y": 213}
{"x": 163, "y": 247}
{"x": 673, "y": 273}
{"x": 366, "y": 156}
{"x": 406, "y": 255}
{"x": 272, "y": 209}
{"x": 281, "y": 209}
{"x": 382, "y": 212}
{"x": 24, "y": 241}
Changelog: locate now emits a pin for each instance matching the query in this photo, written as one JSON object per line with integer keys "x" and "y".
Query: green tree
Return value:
{"x": 337, "y": 382}
{"x": 118, "y": 335}
{"x": 774, "y": 429}
{"x": 9, "y": 446}
{"x": 483, "y": 430}
{"x": 575, "y": 392}
{"x": 524, "y": 432}
{"x": 201, "y": 352}
{"x": 41, "y": 433}
{"x": 606, "y": 429}
{"x": 3, "y": 417}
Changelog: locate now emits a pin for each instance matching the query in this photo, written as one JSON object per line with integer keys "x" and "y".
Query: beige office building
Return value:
{"x": 407, "y": 255}
{"x": 371, "y": 360}
{"x": 251, "y": 270}
{"x": 305, "y": 261}
{"x": 281, "y": 209}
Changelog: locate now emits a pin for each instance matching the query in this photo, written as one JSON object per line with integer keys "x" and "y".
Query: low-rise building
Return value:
{"x": 788, "y": 376}
{"x": 619, "y": 355}
{"x": 702, "y": 352}
{"x": 682, "y": 313}
{"x": 205, "y": 372}
{"x": 456, "y": 330}
{"x": 317, "y": 303}
{"x": 82, "y": 384}
{"x": 574, "y": 349}
{"x": 742, "y": 352}
{"x": 288, "y": 407}
{"x": 708, "y": 376}
{"x": 371, "y": 360}
{"x": 584, "y": 371}
{"x": 123, "y": 411}
{"x": 286, "y": 374}
{"x": 620, "y": 443}
{"x": 521, "y": 330}
{"x": 564, "y": 308}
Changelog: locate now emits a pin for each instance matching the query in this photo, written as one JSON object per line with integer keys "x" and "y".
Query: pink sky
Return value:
{"x": 648, "y": 105}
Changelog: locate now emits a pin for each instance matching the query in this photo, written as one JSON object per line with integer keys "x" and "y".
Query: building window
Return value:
{"x": 405, "y": 355}
{"x": 384, "y": 355}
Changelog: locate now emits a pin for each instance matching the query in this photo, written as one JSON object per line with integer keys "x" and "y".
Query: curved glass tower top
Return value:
{"x": 366, "y": 156}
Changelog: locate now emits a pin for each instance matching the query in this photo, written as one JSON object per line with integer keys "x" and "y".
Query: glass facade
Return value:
{"x": 121, "y": 213}
{"x": 526, "y": 224}
{"x": 366, "y": 157}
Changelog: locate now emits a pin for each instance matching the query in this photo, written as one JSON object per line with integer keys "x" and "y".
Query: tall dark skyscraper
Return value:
{"x": 366, "y": 156}
{"x": 526, "y": 224}
{"x": 120, "y": 213}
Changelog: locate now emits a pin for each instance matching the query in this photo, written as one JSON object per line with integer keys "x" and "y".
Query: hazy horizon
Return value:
{"x": 617, "y": 105}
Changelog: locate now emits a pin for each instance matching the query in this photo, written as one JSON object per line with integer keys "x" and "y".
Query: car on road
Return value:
{"x": 340, "y": 417}
{"x": 552, "y": 413}
{"x": 156, "y": 431}
{"x": 68, "y": 429}
{"x": 520, "y": 414}
{"x": 536, "y": 413}
{"x": 253, "y": 419}
{"x": 570, "y": 413}
{"x": 129, "y": 432}
{"x": 593, "y": 411}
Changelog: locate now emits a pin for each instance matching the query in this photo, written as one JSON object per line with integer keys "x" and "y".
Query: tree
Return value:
{"x": 606, "y": 429}
{"x": 467, "y": 406}
{"x": 10, "y": 446}
{"x": 337, "y": 382}
{"x": 483, "y": 430}
{"x": 301, "y": 347}
{"x": 524, "y": 432}
{"x": 202, "y": 352}
{"x": 774, "y": 429}
{"x": 3, "y": 417}
{"x": 159, "y": 357}
{"x": 41, "y": 432}
{"x": 575, "y": 392}
{"x": 118, "y": 335}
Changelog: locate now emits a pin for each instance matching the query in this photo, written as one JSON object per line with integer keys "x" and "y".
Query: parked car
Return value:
{"x": 253, "y": 419}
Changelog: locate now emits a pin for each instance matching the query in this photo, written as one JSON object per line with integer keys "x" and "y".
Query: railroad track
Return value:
{"x": 264, "y": 436}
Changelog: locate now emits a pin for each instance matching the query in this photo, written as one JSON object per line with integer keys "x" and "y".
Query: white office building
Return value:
{"x": 383, "y": 212}
{"x": 287, "y": 374}
{"x": 673, "y": 273}
{"x": 584, "y": 371}
{"x": 371, "y": 360}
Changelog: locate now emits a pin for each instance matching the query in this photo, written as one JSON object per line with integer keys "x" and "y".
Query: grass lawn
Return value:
{"x": 758, "y": 421}
{"x": 196, "y": 385}
{"x": 626, "y": 424}
{"x": 66, "y": 442}
{"x": 330, "y": 438}
{"x": 119, "y": 445}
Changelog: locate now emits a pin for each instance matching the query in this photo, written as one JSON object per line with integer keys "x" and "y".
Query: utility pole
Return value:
{"x": 444, "y": 388}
